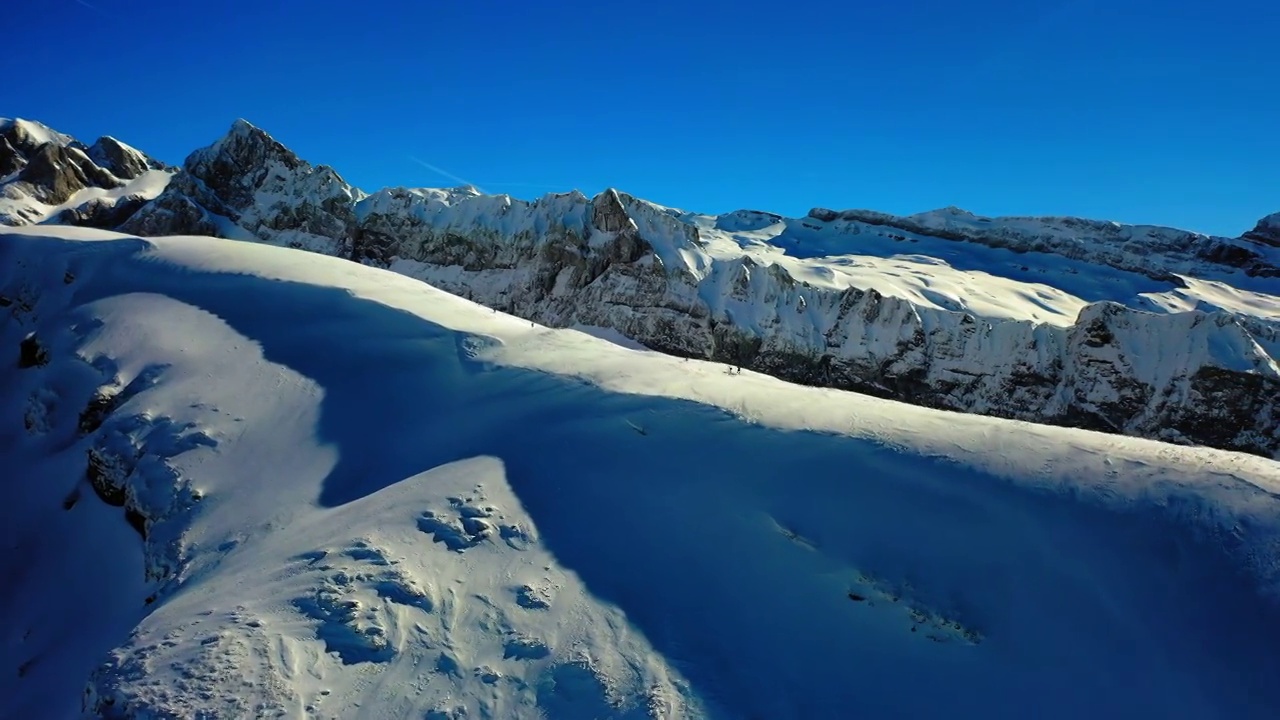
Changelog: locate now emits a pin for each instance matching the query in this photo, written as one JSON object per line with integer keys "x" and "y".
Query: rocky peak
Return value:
{"x": 1266, "y": 232}
{"x": 608, "y": 214}
{"x": 123, "y": 161}
{"x": 26, "y": 136}
{"x": 235, "y": 166}
{"x": 19, "y": 141}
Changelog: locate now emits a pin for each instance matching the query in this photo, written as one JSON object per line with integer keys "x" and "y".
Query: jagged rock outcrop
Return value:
{"x": 56, "y": 172}
{"x": 11, "y": 161}
{"x": 98, "y": 213}
{"x": 646, "y": 271}
{"x": 273, "y": 193}
{"x": 120, "y": 159}
{"x": 186, "y": 207}
{"x": 1266, "y": 232}
{"x": 43, "y": 171}
{"x": 248, "y": 185}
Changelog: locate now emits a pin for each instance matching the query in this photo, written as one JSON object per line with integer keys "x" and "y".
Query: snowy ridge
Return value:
{"x": 1125, "y": 247}
{"x": 323, "y": 540}
{"x": 36, "y": 133}
{"x": 1000, "y": 316}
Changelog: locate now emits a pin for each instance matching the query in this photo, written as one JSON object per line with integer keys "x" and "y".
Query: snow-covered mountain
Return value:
{"x": 248, "y": 481}
{"x": 47, "y": 176}
{"x": 1138, "y": 330}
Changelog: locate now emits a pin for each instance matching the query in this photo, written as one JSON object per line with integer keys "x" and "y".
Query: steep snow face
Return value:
{"x": 316, "y": 538}
{"x": 947, "y": 309}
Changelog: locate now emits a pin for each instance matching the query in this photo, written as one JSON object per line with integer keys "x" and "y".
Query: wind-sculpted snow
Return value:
{"x": 1138, "y": 330}
{"x": 402, "y": 504}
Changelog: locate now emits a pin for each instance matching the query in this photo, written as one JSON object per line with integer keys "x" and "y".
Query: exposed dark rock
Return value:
{"x": 238, "y": 164}
{"x": 60, "y": 171}
{"x": 31, "y": 353}
{"x": 1232, "y": 410}
{"x": 172, "y": 213}
{"x": 17, "y": 135}
{"x": 100, "y": 214}
{"x": 120, "y": 159}
{"x": 11, "y": 161}
{"x": 608, "y": 215}
{"x": 102, "y": 404}
{"x": 137, "y": 521}
{"x": 106, "y": 472}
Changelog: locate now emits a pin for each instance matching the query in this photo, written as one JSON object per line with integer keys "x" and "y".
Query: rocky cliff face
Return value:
{"x": 719, "y": 288}
{"x": 248, "y": 185}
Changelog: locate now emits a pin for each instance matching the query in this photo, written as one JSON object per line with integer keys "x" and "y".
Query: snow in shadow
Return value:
{"x": 785, "y": 574}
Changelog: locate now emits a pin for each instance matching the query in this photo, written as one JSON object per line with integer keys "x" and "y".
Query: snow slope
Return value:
{"x": 364, "y": 497}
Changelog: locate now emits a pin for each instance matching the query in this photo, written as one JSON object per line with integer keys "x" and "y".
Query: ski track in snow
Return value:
{"x": 413, "y": 506}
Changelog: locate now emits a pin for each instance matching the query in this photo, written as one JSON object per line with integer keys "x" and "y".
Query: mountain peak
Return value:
{"x": 608, "y": 213}
{"x": 1267, "y": 231}
{"x": 31, "y": 134}
{"x": 239, "y": 161}
{"x": 124, "y": 161}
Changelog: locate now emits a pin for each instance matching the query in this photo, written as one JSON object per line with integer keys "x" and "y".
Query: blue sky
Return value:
{"x": 1134, "y": 110}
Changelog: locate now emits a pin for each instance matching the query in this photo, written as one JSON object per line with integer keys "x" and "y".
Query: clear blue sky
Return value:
{"x": 1159, "y": 111}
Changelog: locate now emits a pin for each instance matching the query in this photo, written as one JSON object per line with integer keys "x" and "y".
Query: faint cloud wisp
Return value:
{"x": 463, "y": 181}
{"x": 446, "y": 173}
{"x": 95, "y": 8}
